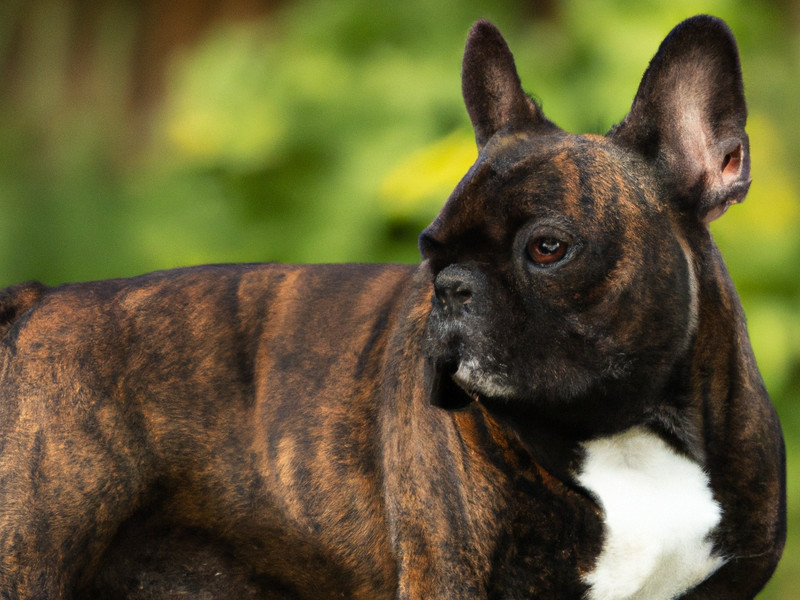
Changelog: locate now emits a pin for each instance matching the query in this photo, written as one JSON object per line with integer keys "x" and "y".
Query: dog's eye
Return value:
{"x": 546, "y": 250}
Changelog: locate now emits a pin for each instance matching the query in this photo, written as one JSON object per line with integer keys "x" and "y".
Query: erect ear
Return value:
{"x": 689, "y": 117}
{"x": 491, "y": 87}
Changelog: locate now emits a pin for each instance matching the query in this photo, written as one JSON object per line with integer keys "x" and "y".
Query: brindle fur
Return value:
{"x": 269, "y": 431}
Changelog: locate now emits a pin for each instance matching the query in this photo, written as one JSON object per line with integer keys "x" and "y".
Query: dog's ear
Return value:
{"x": 491, "y": 87}
{"x": 689, "y": 117}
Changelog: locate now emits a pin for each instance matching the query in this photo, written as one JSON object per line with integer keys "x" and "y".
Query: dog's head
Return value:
{"x": 566, "y": 267}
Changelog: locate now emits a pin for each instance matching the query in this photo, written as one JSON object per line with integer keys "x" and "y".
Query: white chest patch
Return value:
{"x": 659, "y": 512}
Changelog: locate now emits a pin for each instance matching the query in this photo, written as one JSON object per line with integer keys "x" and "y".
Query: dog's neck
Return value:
{"x": 555, "y": 448}
{"x": 554, "y": 434}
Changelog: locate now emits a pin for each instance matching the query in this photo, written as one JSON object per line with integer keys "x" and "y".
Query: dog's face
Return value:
{"x": 565, "y": 267}
{"x": 548, "y": 277}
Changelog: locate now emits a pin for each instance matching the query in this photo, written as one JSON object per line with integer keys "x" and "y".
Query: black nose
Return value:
{"x": 454, "y": 287}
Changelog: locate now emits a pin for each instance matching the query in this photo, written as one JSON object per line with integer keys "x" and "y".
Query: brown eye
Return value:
{"x": 546, "y": 250}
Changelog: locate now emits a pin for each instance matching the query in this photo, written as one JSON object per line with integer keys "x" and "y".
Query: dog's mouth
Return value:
{"x": 447, "y": 385}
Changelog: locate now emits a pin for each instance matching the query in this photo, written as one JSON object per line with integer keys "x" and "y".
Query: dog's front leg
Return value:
{"x": 753, "y": 529}
{"x": 65, "y": 485}
{"x": 745, "y": 458}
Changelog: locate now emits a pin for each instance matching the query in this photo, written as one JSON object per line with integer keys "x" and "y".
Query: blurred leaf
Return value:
{"x": 226, "y": 106}
{"x": 426, "y": 176}
{"x": 775, "y": 336}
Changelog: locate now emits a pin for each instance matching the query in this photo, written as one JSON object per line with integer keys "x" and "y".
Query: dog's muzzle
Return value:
{"x": 458, "y": 291}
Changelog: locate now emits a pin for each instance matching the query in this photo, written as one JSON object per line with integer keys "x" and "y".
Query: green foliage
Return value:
{"x": 333, "y": 131}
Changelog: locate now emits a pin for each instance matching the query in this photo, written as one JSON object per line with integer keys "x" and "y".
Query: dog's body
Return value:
{"x": 266, "y": 431}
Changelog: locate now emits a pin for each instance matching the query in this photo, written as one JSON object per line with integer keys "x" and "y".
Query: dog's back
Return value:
{"x": 167, "y": 402}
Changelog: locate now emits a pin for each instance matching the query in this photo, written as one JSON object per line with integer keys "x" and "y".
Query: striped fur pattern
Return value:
{"x": 455, "y": 429}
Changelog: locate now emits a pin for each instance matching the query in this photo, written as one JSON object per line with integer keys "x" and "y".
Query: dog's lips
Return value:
{"x": 447, "y": 390}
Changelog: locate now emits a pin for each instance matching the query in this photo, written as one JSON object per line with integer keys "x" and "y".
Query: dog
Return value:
{"x": 559, "y": 402}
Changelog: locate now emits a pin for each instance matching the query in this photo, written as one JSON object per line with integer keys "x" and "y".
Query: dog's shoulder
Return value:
{"x": 16, "y": 300}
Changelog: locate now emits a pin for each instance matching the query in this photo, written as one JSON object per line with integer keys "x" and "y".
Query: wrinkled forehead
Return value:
{"x": 576, "y": 175}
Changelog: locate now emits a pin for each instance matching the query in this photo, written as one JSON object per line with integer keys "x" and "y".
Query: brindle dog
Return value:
{"x": 268, "y": 431}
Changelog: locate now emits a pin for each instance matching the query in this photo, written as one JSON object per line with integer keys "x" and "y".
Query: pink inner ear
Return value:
{"x": 732, "y": 164}
{"x": 730, "y": 172}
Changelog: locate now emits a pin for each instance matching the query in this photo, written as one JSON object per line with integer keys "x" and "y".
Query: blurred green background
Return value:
{"x": 143, "y": 135}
